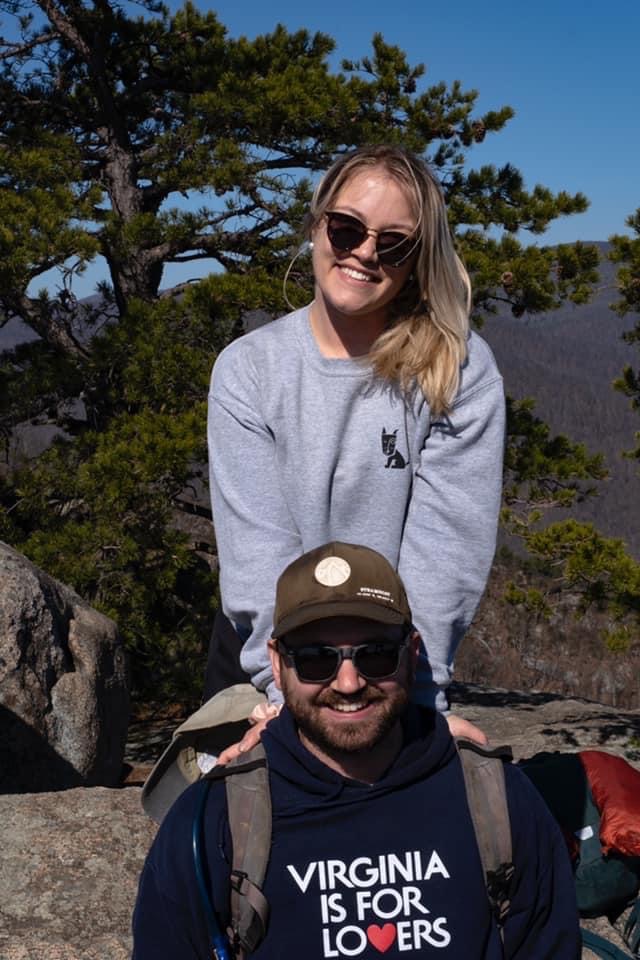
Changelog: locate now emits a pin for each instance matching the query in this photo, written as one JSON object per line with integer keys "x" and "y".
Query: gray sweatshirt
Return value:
{"x": 304, "y": 449}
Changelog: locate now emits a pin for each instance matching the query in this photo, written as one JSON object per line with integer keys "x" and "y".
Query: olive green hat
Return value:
{"x": 339, "y": 580}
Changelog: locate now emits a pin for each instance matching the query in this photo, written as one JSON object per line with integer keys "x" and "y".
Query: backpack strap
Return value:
{"x": 217, "y": 941}
{"x": 601, "y": 947}
{"x": 249, "y": 814}
{"x": 631, "y": 932}
{"x": 483, "y": 771}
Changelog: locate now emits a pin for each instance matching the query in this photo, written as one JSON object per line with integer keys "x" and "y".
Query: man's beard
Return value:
{"x": 315, "y": 723}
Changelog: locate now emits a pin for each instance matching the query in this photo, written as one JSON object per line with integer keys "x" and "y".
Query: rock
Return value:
{"x": 64, "y": 701}
{"x": 71, "y": 861}
{"x": 531, "y": 721}
{"x": 70, "y": 871}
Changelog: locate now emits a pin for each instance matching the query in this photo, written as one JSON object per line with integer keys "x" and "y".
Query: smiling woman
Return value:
{"x": 354, "y": 281}
{"x": 371, "y": 416}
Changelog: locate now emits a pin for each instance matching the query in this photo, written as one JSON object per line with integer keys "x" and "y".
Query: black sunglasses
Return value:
{"x": 347, "y": 233}
{"x": 374, "y": 660}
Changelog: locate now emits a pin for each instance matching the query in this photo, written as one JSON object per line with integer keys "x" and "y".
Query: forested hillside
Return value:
{"x": 567, "y": 360}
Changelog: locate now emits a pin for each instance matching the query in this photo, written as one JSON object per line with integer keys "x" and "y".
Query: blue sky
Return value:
{"x": 569, "y": 69}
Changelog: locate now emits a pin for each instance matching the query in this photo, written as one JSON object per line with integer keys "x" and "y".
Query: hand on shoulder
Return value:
{"x": 260, "y": 716}
{"x": 459, "y": 727}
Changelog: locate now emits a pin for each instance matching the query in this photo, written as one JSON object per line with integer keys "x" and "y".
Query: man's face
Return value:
{"x": 348, "y": 713}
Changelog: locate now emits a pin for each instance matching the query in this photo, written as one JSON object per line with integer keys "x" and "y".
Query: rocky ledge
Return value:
{"x": 71, "y": 859}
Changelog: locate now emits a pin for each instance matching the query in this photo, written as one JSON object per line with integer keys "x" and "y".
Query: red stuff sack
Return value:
{"x": 615, "y": 786}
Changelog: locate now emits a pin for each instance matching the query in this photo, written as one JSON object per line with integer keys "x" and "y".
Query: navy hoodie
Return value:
{"x": 359, "y": 870}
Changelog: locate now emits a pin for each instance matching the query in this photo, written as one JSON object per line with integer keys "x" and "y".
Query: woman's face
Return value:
{"x": 354, "y": 284}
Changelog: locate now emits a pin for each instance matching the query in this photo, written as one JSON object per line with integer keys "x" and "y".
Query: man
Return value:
{"x": 373, "y": 849}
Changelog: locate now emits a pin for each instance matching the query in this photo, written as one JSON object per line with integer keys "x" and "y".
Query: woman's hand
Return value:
{"x": 459, "y": 727}
{"x": 259, "y": 718}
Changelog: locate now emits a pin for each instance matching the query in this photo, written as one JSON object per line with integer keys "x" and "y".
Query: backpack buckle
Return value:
{"x": 237, "y": 880}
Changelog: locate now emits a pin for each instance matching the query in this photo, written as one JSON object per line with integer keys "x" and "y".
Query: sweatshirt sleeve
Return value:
{"x": 543, "y": 922}
{"x": 450, "y": 532}
{"x": 255, "y": 534}
{"x": 162, "y": 927}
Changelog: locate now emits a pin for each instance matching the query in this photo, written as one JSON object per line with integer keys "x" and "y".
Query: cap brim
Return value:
{"x": 217, "y": 724}
{"x": 345, "y": 608}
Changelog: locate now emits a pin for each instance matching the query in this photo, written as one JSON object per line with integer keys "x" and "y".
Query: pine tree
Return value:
{"x": 626, "y": 252}
{"x": 107, "y": 122}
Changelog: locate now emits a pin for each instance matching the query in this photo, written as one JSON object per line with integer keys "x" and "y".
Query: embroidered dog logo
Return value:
{"x": 395, "y": 460}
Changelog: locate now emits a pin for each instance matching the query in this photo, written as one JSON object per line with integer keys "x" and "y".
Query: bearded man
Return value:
{"x": 373, "y": 847}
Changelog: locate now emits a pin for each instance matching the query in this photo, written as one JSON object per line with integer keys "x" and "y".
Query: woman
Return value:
{"x": 371, "y": 416}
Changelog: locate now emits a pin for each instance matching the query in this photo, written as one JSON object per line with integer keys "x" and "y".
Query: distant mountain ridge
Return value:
{"x": 567, "y": 360}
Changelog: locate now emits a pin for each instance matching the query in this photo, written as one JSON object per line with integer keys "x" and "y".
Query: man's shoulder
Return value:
{"x": 172, "y": 843}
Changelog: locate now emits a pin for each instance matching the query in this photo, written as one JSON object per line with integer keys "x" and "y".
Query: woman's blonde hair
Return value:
{"x": 426, "y": 339}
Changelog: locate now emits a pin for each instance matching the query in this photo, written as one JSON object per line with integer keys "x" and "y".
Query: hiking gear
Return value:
{"x": 196, "y": 743}
{"x": 336, "y": 580}
{"x": 601, "y": 947}
{"x": 219, "y": 945}
{"x": 249, "y": 813}
{"x": 631, "y": 931}
{"x": 615, "y": 786}
{"x": 337, "y": 840}
{"x": 374, "y": 660}
{"x": 483, "y": 770}
{"x": 605, "y": 884}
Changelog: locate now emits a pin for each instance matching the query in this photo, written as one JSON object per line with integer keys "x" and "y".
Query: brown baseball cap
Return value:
{"x": 339, "y": 580}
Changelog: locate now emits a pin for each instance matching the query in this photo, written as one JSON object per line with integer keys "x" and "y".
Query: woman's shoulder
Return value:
{"x": 480, "y": 369}
{"x": 480, "y": 354}
{"x": 274, "y": 335}
{"x": 263, "y": 355}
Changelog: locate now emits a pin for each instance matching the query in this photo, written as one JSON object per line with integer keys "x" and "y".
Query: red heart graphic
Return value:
{"x": 381, "y": 937}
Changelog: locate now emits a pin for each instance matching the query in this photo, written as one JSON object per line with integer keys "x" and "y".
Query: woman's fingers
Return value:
{"x": 250, "y": 739}
{"x": 463, "y": 728}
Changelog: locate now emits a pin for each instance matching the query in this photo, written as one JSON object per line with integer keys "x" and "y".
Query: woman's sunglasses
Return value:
{"x": 347, "y": 233}
{"x": 375, "y": 660}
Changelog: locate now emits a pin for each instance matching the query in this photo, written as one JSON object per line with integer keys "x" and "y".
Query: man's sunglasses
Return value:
{"x": 347, "y": 233}
{"x": 375, "y": 660}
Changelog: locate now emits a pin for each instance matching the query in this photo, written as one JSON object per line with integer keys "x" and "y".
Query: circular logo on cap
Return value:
{"x": 332, "y": 571}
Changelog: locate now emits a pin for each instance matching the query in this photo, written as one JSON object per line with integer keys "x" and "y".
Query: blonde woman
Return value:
{"x": 372, "y": 415}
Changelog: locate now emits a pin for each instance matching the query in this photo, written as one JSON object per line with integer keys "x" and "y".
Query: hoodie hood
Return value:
{"x": 300, "y": 781}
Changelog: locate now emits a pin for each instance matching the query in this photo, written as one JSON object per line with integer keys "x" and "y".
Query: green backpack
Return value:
{"x": 605, "y": 885}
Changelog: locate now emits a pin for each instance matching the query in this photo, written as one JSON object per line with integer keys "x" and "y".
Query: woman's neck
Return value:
{"x": 341, "y": 337}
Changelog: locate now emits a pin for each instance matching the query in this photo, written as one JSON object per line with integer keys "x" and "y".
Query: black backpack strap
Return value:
{"x": 483, "y": 771}
{"x": 249, "y": 814}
